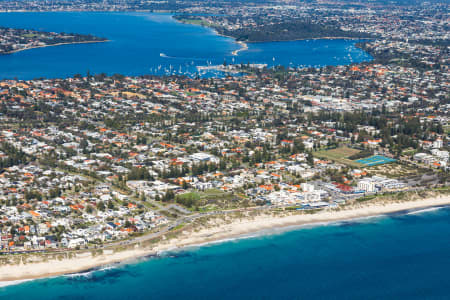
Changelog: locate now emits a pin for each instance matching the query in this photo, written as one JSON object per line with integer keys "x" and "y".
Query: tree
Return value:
{"x": 310, "y": 159}
{"x": 90, "y": 209}
{"x": 110, "y": 205}
{"x": 169, "y": 195}
{"x": 139, "y": 174}
{"x": 185, "y": 185}
{"x": 101, "y": 206}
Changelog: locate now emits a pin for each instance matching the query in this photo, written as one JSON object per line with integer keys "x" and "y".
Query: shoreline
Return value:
{"x": 220, "y": 232}
{"x": 244, "y": 44}
{"x": 53, "y": 45}
{"x": 311, "y": 39}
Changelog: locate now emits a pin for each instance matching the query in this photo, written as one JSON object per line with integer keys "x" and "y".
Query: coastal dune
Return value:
{"x": 245, "y": 226}
{"x": 36, "y": 266}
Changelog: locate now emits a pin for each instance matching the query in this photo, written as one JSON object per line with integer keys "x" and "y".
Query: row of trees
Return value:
{"x": 14, "y": 156}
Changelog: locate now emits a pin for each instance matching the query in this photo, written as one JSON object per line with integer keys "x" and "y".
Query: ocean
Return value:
{"x": 152, "y": 43}
{"x": 399, "y": 256}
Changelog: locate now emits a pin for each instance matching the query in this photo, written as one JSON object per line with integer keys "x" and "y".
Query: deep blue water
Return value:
{"x": 138, "y": 39}
{"x": 395, "y": 257}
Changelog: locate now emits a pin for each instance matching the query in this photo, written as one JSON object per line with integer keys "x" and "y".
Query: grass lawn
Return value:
{"x": 409, "y": 152}
{"x": 194, "y": 195}
{"x": 339, "y": 155}
{"x": 29, "y": 35}
{"x": 206, "y": 194}
{"x": 447, "y": 129}
{"x": 194, "y": 22}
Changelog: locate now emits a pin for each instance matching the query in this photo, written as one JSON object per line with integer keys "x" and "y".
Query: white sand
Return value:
{"x": 220, "y": 230}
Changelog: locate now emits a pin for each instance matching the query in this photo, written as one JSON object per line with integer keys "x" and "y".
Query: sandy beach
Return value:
{"x": 244, "y": 47}
{"x": 217, "y": 230}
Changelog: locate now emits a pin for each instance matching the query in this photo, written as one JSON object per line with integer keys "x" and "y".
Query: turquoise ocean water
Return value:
{"x": 393, "y": 257}
{"x": 148, "y": 43}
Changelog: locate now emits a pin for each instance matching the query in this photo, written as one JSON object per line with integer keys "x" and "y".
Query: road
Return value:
{"x": 191, "y": 217}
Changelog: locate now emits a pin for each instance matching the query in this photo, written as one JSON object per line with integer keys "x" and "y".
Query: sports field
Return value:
{"x": 339, "y": 155}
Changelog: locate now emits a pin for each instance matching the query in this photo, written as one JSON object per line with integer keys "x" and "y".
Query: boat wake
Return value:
{"x": 163, "y": 55}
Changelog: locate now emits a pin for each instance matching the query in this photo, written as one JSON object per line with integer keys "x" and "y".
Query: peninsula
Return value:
{"x": 264, "y": 29}
{"x": 15, "y": 40}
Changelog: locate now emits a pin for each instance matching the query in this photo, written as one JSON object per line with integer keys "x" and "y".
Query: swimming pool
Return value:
{"x": 375, "y": 160}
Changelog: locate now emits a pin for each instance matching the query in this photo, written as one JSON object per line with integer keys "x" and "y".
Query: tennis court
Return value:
{"x": 375, "y": 160}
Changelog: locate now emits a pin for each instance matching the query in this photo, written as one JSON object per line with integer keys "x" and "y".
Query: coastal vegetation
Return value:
{"x": 208, "y": 200}
{"x": 207, "y": 229}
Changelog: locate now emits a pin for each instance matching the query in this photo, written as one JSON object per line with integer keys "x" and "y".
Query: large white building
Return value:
{"x": 204, "y": 157}
{"x": 367, "y": 186}
{"x": 307, "y": 187}
{"x": 376, "y": 183}
{"x": 438, "y": 143}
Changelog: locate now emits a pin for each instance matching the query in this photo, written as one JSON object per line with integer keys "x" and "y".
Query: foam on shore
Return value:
{"x": 239, "y": 229}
